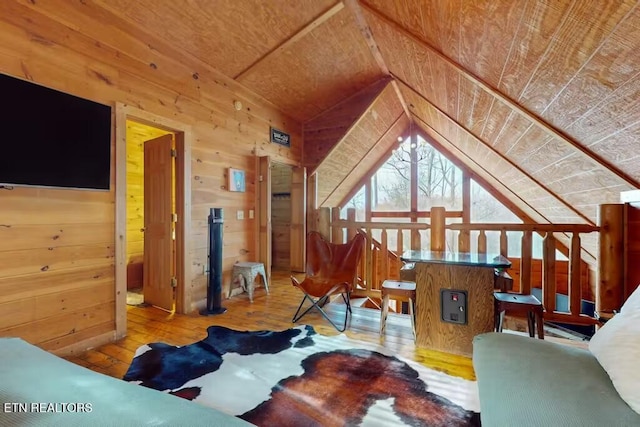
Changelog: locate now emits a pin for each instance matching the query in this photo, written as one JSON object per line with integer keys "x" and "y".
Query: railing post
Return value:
{"x": 438, "y": 228}
{"x": 351, "y": 217}
{"x": 525, "y": 263}
{"x": 549, "y": 272}
{"x": 574, "y": 275}
{"x": 337, "y": 235}
{"x": 482, "y": 242}
{"x": 324, "y": 223}
{"x": 610, "y": 284}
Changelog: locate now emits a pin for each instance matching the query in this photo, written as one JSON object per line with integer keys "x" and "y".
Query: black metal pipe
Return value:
{"x": 214, "y": 285}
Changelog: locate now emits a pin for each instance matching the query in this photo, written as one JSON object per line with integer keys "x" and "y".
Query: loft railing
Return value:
{"x": 387, "y": 240}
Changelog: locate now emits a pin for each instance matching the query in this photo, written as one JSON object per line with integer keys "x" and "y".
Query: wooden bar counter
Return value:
{"x": 471, "y": 274}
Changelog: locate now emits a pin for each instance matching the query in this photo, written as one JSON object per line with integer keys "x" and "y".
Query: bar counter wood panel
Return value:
{"x": 431, "y": 331}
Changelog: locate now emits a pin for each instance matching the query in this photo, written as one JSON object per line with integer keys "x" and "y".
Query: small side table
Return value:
{"x": 249, "y": 271}
{"x": 518, "y": 304}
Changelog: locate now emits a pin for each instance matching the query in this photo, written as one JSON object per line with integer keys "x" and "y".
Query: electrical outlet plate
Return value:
{"x": 250, "y": 213}
{"x": 240, "y": 214}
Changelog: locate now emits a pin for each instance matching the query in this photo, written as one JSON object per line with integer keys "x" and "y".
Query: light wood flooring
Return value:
{"x": 272, "y": 312}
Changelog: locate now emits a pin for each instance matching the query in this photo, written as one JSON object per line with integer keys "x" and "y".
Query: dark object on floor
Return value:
{"x": 519, "y": 305}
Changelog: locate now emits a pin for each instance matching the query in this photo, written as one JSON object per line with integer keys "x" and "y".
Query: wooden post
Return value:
{"x": 549, "y": 272}
{"x": 610, "y": 284}
{"x": 337, "y": 235}
{"x": 400, "y": 244}
{"x": 312, "y": 202}
{"x": 324, "y": 223}
{"x": 351, "y": 217}
{"x": 438, "y": 230}
{"x": 525, "y": 263}
{"x": 574, "y": 275}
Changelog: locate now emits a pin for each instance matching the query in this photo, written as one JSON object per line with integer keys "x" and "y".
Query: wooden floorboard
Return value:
{"x": 273, "y": 312}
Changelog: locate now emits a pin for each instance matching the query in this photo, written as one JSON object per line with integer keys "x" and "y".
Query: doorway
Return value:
{"x": 281, "y": 215}
{"x": 153, "y": 214}
{"x": 137, "y": 136}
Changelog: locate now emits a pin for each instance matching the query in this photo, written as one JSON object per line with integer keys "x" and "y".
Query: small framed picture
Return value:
{"x": 236, "y": 180}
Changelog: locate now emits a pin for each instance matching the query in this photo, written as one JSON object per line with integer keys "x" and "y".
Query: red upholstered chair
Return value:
{"x": 331, "y": 269}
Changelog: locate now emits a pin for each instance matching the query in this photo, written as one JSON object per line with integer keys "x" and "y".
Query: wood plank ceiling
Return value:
{"x": 539, "y": 97}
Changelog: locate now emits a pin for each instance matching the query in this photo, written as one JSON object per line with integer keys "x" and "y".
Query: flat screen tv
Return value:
{"x": 51, "y": 138}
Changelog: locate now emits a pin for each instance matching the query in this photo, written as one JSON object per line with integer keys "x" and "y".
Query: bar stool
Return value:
{"x": 397, "y": 288}
{"x": 517, "y": 304}
{"x": 249, "y": 271}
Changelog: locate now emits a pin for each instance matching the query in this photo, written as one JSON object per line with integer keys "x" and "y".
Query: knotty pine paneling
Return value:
{"x": 352, "y": 154}
{"x": 323, "y": 132}
{"x": 87, "y": 51}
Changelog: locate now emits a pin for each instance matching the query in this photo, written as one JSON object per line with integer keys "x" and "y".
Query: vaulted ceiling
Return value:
{"x": 539, "y": 98}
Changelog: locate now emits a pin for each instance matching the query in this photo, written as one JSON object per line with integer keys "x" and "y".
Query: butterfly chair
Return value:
{"x": 331, "y": 269}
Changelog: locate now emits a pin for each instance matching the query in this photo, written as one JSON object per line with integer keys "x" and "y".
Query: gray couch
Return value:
{"x": 530, "y": 382}
{"x": 41, "y": 389}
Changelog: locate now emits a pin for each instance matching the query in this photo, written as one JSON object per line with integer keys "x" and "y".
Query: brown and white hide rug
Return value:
{"x": 297, "y": 378}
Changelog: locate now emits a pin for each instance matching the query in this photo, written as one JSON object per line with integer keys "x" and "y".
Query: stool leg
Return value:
{"x": 412, "y": 313}
{"x": 532, "y": 324}
{"x": 251, "y": 285}
{"x": 264, "y": 279}
{"x": 500, "y": 321}
{"x": 540, "y": 325}
{"x": 383, "y": 313}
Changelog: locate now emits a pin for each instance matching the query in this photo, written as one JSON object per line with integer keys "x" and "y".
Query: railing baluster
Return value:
{"x": 400, "y": 245}
{"x": 574, "y": 275}
{"x": 368, "y": 257}
{"x": 384, "y": 255}
{"x": 525, "y": 263}
{"x": 549, "y": 272}
{"x": 482, "y": 242}
{"x": 464, "y": 241}
{"x": 504, "y": 243}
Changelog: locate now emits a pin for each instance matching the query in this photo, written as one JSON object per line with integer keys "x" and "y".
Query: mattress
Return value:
{"x": 40, "y": 389}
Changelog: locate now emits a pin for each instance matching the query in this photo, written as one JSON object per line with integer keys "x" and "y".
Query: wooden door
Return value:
{"x": 158, "y": 269}
{"x": 298, "y": 218}
{"x": 264, "y": 214}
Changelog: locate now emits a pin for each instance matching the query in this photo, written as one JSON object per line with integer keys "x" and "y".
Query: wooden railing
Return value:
{"x": 381, "y": 262}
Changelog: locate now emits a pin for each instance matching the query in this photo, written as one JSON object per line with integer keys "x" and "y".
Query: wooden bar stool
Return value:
{"x": 397, "y": 288}
{"x": 518, "y": 305}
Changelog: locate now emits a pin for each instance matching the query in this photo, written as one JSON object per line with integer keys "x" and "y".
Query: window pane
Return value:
{"x": 439, "y": 181}
{"x": 390, "y": 189}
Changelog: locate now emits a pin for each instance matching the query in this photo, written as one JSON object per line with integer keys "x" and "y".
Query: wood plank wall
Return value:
{"x": 137, "y": 134}
{"x": 57, "y": 281}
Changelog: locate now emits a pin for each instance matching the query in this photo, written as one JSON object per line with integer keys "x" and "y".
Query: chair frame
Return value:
{"x": 344, "y": 288}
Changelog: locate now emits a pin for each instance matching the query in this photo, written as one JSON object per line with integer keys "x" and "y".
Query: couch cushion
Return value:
{"x": 530, "y": 382}
{"x": 617, "y": 347}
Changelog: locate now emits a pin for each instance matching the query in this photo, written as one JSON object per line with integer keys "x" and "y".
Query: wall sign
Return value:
{"x": 280, "y": 137}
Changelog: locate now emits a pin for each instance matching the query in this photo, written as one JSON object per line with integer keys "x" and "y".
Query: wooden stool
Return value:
{"x": 249, "y": 271}
{"x": 517, "y": 304}
{"x": 400, "y": 289}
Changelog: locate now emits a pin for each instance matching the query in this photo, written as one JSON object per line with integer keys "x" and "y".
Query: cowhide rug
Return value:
{"x": 297, "y": 377}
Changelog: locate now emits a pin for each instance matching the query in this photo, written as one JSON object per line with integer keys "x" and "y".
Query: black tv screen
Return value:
{"x": 51, "y": 138}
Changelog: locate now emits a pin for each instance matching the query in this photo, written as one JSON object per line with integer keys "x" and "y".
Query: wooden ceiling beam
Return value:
{"x": 371, "y": 170}
{"x": 365, "y": 29}
{"x": 513, "y": 105}
{"x": 321, "y": 19}
{"x": 497, "y": 153}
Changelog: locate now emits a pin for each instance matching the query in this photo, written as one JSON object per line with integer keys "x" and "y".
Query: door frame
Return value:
{"x": 183, "y": 140}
